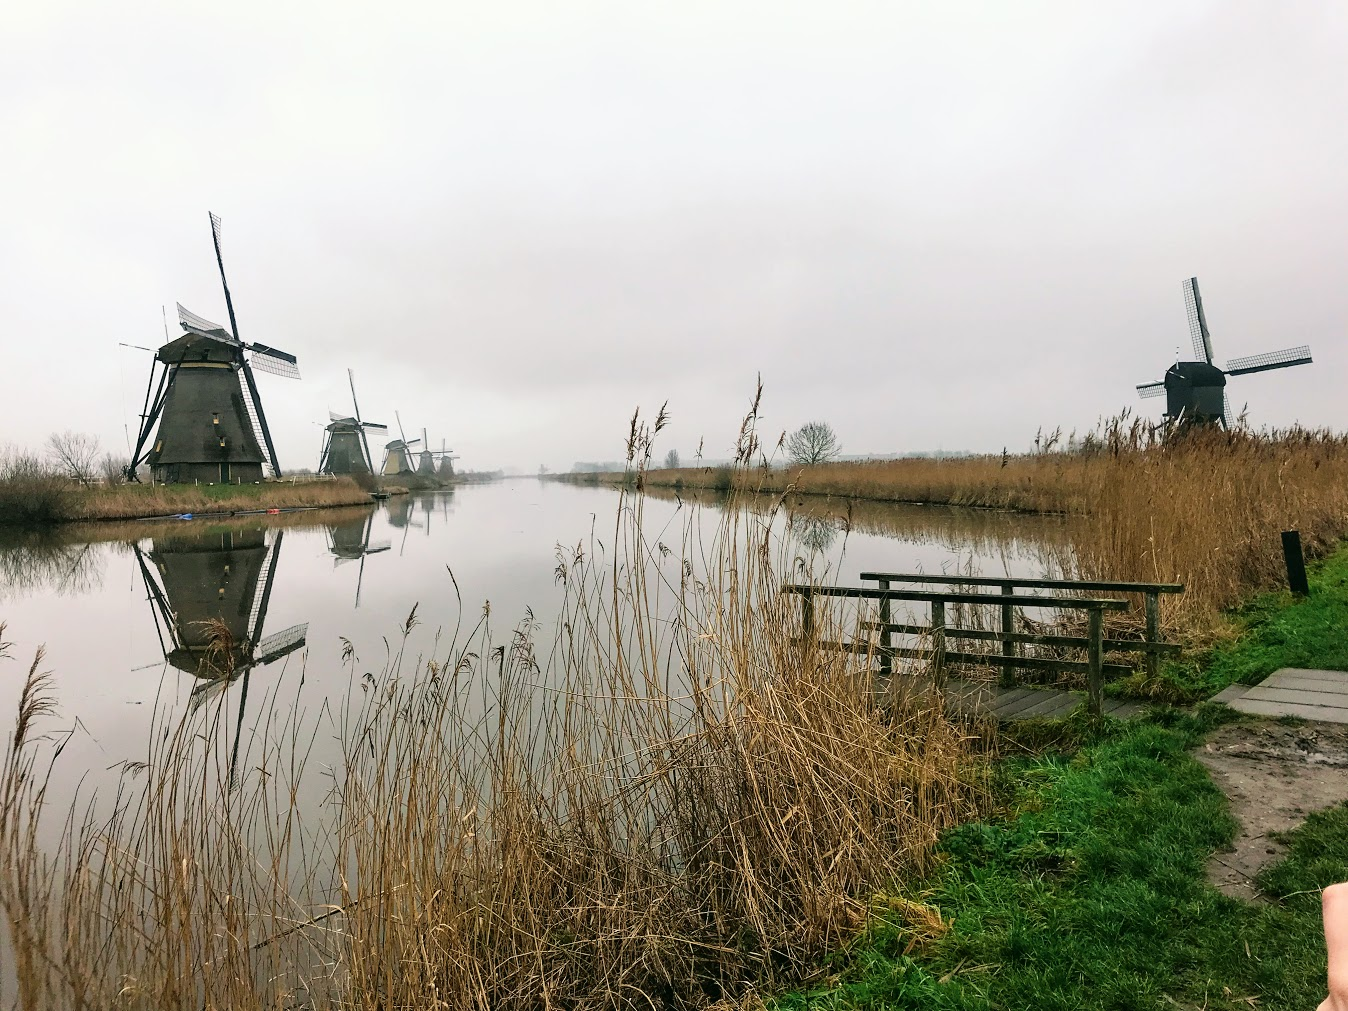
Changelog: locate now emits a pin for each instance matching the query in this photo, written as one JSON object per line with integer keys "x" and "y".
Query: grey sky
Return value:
{"x": 935, "y": 224}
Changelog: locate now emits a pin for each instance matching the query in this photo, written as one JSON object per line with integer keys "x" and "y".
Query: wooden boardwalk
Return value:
{"x": 1309, "y": 694}
{"x": 981, "y": 699}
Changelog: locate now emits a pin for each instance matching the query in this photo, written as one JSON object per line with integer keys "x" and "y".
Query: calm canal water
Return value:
{"x": 294, "y": 589}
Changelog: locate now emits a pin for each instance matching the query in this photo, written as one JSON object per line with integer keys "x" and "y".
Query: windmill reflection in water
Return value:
{"x": 209, "y": 593}
{"x": 350, "y": 542}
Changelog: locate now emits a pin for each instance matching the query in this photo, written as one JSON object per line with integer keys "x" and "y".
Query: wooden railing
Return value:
{"x": 1008, "y": 599}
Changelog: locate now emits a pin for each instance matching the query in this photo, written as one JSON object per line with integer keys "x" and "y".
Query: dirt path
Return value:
{"x": 1274, "y": 775}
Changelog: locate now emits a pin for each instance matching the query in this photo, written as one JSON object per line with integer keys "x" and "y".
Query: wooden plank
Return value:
{"x": 1318, "y": 675}
{"x": 1306, "y": 684}
{"x": 1324, "y": 714}
{"x": 1125, "y": 709}
{"x": 1050, "y": 702}
{"x": 1229, "y": 693}
{"x": 988, "y": 659}
{"x": 1066, "y": 703}
{"x": 1296, "y": 696}
{"x": 866, "y": 593}
{"x": 1009, "y": 698}
{"x": 983, "y": 635}
{"x": 1037, "y": 584}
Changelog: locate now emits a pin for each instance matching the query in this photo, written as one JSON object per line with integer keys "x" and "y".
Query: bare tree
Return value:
{"x": 672, "y": 460}
{"x": 112, "y": 468}
{"x": 74, "y": 454}
{"x": 812, "y": 442}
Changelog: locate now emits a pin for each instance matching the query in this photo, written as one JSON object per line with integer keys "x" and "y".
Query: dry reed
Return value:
{"x": 1202, "y": 507}
{"x": 680, "y": 804}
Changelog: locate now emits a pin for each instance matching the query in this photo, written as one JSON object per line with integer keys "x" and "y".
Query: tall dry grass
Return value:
{"x": 1202, "y": 507}
{"x": 676, "y": 804}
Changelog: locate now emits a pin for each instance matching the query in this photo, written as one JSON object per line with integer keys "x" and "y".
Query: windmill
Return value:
{"x": 201, "y": 585}
{"x": 351, "y": 541}
{"x": 397, "y": 454}
{"x": 425, "y": 459}
{"x": 447, "y": 459}
{"x": 346, "y": 450}
{"x": 1196, "y": 391}
{"x": 204, "y": 397}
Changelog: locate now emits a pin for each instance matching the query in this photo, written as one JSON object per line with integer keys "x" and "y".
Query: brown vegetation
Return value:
{"x": 678, "y": 805}
{"x": 1200, "y": 507}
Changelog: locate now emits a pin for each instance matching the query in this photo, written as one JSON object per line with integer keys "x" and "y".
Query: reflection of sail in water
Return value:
{"x": 209, "y": 595}
{"x": 351, "y": 541}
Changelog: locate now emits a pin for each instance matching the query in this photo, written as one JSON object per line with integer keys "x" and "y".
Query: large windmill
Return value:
{"x": 346, "y": 450}
{"x": 1196, "y": 391}
{"x": 397, "y": 454}
{"x": 211, "y": 425}
{"x": 201, "y": 585}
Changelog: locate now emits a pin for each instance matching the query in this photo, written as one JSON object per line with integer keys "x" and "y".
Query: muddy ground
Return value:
{"x": 1274, "y": 774}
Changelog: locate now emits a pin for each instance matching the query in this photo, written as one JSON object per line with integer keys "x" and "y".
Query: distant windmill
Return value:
{"x": 447, "y": 459}
{"x": 351, "y": 541}
{"x": 397, "y": 454}
{"x": 425, "y": 459}
{"x": 1196, "y": 391}
{"x": 198, "y": 584}
{"x": 211, "y": 424}
{"x": 346, "y": 450}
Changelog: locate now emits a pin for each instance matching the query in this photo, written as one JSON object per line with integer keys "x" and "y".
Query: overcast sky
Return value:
{"x": 932, "y": 224}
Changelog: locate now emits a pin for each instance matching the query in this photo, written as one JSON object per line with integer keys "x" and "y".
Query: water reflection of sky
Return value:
{"x": 356, "y": 574}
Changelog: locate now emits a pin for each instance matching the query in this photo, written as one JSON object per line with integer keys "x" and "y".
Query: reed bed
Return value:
{"x": 1202, "y": 507}
{"x": 675, "y": 804}
{"x": 135, "y": 501}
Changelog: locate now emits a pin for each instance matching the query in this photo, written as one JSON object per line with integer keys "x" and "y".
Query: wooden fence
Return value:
{"x": 939, "y": 633}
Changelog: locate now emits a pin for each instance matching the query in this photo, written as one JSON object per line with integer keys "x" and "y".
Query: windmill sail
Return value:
{"x": 1198, "y": 323}
{"x": 1269, "y": 360}
{"x": 1148, "y": 390}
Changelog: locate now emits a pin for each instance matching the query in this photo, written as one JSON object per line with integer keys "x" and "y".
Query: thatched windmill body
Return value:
{"x": 346, "y": 449}
{"x": 1196, "y": 391}
{"x": 447, "y": 458}
{"x": 203, "y": 396}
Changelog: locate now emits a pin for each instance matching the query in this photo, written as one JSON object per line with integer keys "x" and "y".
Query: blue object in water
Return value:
{"x": 184, "y": 516}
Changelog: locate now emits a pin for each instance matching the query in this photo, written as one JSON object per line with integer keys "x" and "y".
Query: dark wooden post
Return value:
{"x": 1008, "y": 679}
{"x": 938, "y": 641}
{"x": 806, "y": 614}
{"x": 886, "y": 637}
{"x": 1153, "y": 606}
{"x": 1296, "y": 563}
{"x": 1095, "y": 662}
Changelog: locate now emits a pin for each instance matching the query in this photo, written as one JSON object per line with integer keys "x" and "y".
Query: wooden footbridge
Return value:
{"x": 1005, "y": 698}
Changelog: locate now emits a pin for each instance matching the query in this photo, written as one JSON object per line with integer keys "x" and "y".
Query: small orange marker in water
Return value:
{"x": 273, "y": 512}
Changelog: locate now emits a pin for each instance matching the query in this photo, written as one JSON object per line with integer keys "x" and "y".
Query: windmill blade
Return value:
{"x": 379, "y": 546}
{"x": 334, "y": 416}
{"x": 1198, "y": 323}
{"x": 374, "y": 426}
{"x": 401, "y": 434}
{"x": 220, "y": 262}
{"x": 1148, "y": 390}
{"x": 1284, "y": 359}
{"x": 1228, "y": 422}
{"x": 281, "y": 644}
{"x": 278, "y": 363}
{"x": 193, "y": 323}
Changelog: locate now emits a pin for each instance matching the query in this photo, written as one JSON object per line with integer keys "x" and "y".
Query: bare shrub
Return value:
{"x": 74, "y": 454}
{"x": 32, "y": 492}
{"x": 112, "y": 468}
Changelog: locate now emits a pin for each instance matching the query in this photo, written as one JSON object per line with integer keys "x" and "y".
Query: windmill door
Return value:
{"x": 224, "y": 473}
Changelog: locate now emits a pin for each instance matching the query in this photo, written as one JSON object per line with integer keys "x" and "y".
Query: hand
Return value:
{"x": 1335, "y": 904}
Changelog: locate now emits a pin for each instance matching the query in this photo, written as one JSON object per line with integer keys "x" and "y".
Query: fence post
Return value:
{"x": 938, "y": 641}
{"x": 1152, "y": 603}
{"x": 1095, "y": 662}
{"x": 806, "y": 613}
{"x": 1008, "y": 679}
{"x": 886, "y": 637}
{"x": 1296, "y": 563}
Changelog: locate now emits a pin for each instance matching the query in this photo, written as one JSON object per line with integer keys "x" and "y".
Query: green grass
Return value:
{"x": 1090, "y": 892}
{"x": 1276, "y": 630}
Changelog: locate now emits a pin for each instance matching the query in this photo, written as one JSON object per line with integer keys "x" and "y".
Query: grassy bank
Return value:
{"x": 1089, "y": 892}
{"x": 1272, "y": 631}
{"x": 64, "y": 502}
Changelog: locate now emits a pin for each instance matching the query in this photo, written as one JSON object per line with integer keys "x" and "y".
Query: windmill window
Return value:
{"x": 215, "y": 419}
